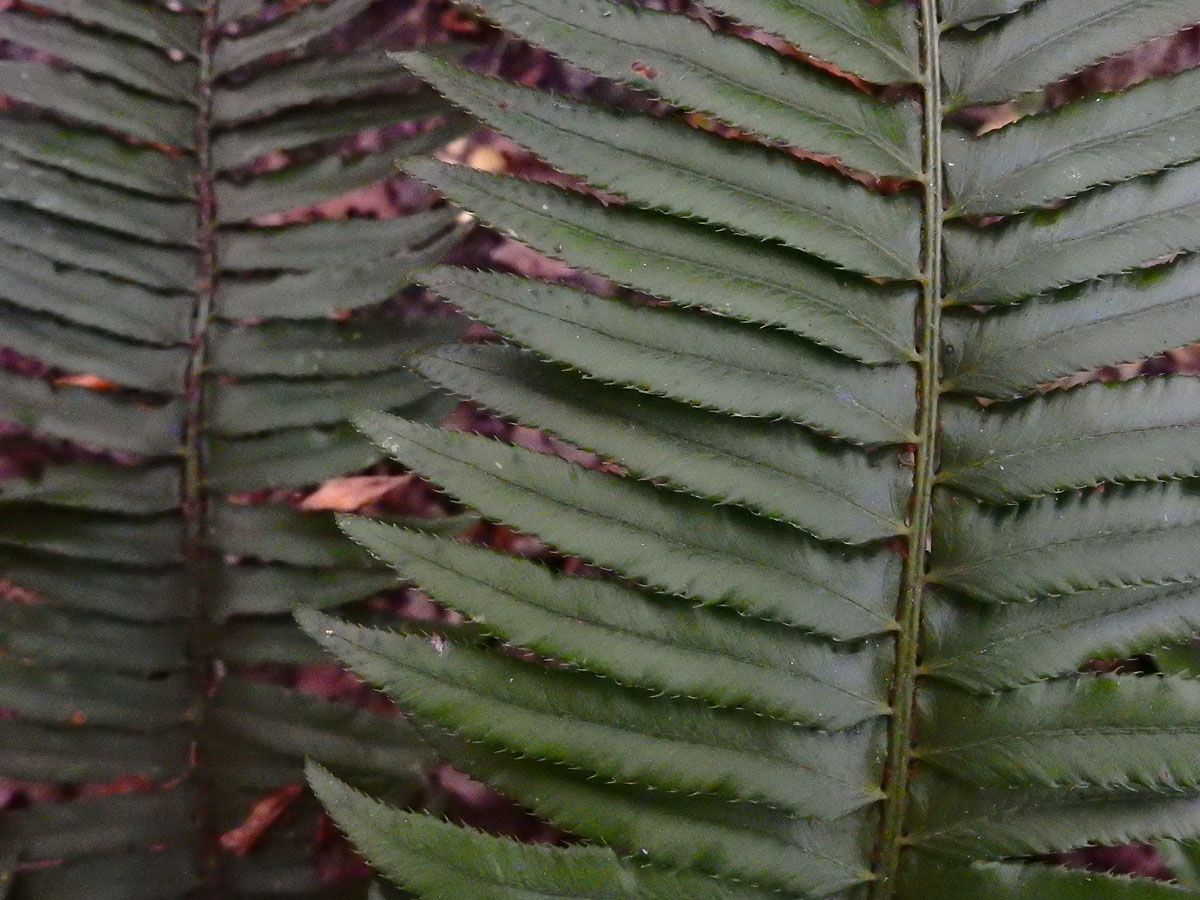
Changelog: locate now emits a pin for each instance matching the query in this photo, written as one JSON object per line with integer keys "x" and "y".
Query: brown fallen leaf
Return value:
{"x": 354, "y": 492}
{"x": 265, "y": 813}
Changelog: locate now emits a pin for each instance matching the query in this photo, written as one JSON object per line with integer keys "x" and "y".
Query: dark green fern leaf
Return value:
{"x": 198, "y": 347}
{"x": 797, "y": 433}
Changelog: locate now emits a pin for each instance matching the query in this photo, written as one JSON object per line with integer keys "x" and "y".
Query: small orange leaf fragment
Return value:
{"x": 354, "y": 491}
{"x": 87, "y": 380}
{"x": 265, "y": 813}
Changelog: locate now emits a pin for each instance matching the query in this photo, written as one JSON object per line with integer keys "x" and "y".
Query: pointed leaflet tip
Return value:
{"x": 316, "y": 624}
{"x": 371, "y": 422}
{"x": 412, "y": 60}
{"x": 329, "y": 790}
{"x": 425, "y": 169}
{"x": 361, "y": 529}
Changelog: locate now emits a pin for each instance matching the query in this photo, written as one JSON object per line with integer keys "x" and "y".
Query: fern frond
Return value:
{"x": 584, "y": 723}
{"x": 632, "y": 636}
{"x": 1106, "y": 322}
{"x": 194, "y": 351}
{"x": 1137, "y": 431}
{"x": 727, "y": 367}
{"x": 672, "y": 542}
{"x": 1048, "y": 42}
{"x": 779, "y": 471}
{"x": 834, "y": 642}
{"x": 1005, "y": 646}
{"x": 748, "y": 842}
{"x": 1126, "y": 226}
{"x": 1010, "y": 881}
{"x": 1046, "y": 158}
{"x": 740, "y": 187}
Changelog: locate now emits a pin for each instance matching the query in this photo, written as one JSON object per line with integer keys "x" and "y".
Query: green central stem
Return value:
{"x": 206, "y": 266}
{"x": 908, "y": 611}
{"x": 196, "y": 550}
